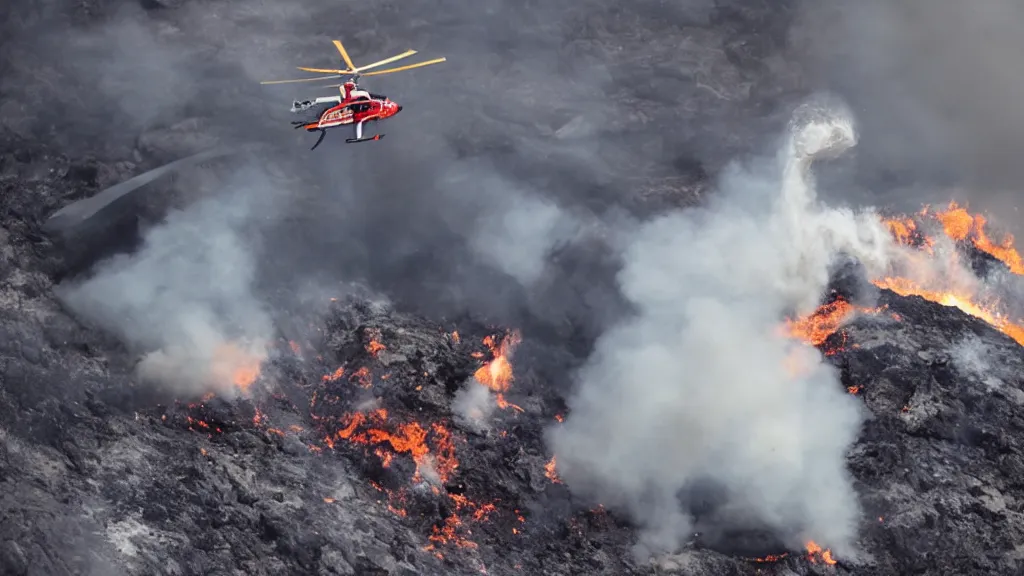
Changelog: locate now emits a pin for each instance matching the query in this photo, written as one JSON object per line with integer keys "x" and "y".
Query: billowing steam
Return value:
{"x": 698, "y": 386}
{"x": 185, "y": 299}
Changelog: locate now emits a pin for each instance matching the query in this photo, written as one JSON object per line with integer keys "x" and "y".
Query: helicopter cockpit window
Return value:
{"x": 377, "y": 96}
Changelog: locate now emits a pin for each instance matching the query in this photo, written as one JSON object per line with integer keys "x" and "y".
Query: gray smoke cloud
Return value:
{"x": 936, "y": 92}
{"x": 186, "y": 299}
{"x": 186, "y": 78}
{"x": 700, "y": 386}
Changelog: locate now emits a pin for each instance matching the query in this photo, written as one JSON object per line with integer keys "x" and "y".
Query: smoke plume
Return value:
{"x": 186, "y": 299}
{"x": 933, "y": 83}
{"x": 698, "y": 386}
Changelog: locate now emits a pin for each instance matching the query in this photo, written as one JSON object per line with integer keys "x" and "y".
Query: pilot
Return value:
{"x": 352, "y": 92}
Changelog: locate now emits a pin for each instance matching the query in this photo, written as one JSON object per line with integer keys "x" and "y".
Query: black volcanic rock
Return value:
{"x": 101, "y": 475}
{"x": 938, "y": 463}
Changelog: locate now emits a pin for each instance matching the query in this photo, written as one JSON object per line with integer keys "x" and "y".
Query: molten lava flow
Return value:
{"x": 964, "y": 302}
{"x": 822, "y": 323}
{"x": 816, "y": 552}
{"x": 959, "y": 225}
{"x": 816, "y": 328}
{"x": 408, "y": 439}
{"x": 497, "y": 374}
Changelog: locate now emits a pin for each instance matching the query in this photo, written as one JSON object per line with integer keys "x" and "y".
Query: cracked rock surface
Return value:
{"x": 349, "y": 455}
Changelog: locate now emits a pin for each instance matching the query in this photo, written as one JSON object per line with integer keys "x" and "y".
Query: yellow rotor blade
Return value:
{"x": 344, "y": 55}
{"x": 325, "y": 70}
{"x": 409, "y": 67}
{"x": 301, "y": 79}
{"x": 386, "y": 61}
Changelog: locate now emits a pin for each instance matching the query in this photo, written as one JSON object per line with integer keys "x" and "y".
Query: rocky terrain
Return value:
{"x": 353, "y": 448}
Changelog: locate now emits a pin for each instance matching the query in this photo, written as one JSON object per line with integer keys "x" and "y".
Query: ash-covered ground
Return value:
{"x": 533, "y": 331}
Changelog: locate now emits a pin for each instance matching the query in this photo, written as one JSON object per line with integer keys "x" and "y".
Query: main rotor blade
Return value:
{"x": 325, "y": 70}
{"x": 344, "y": 54}
{"x": 386, "y": 61}
{"x": 318, "y": 78}
{"x": 409, "y": 67}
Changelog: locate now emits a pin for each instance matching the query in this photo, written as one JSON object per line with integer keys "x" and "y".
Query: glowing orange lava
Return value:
{"x": 956, "y": 223}
{"x": 816, "y": 553}
{"x": 497, "y": 374}
{"x": 549, "y": 471}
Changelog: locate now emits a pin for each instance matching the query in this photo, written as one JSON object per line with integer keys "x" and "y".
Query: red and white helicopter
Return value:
{"x": 353, "y": 106}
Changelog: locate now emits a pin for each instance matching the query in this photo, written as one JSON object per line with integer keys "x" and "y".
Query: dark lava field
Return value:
{"x": 569, "y": 317}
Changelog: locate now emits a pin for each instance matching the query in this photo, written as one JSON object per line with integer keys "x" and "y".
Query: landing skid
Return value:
{"x": 320, "y": 139}
{"x": 367, "y": 139}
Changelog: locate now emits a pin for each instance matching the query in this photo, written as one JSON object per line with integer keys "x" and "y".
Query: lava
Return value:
{"x": 497, "y": 374}
{"x": 374, "y": 346}
{"x": 549, "y": 470}
{"x": 816, "y": 328}
{"x": 985, "y": 311}
{"x": 816, "y": 553}
{"x": 962, "y": 227}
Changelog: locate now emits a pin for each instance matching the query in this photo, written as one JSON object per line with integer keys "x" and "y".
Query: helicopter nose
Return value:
{"x": 399, "y": 109}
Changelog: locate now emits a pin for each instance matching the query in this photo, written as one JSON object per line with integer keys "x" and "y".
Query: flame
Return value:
{"x": 410, "y": 438}
{"x": 363, "y": 377}
{"x": 956, "y": 223}
{"x": 549, "y": 471}
{"x": 334, "y": 376}
{"x": 497, "y": 374}
{"x": 822, "y": 323}
{"x": 965, "y": 302}
{"x": 374, "y": 347}
{"x": 816, "y": 552}
{"x": 240, "y": 367}
{"x": 962, "y": 226}
{"x": 816, "y": 328}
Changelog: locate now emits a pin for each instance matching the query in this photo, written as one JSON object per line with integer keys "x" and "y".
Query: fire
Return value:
{"x": 549, "y": 471}
{"x": 408, "y": 439}
{"x": 240, "y": 367}
{"x": 821, "y": 324}
{"x": 961, "y": 225}
{"x": 964, "y": 302}
{"x": 816, "y": 328}
{"x": 374, "y": 347}
{"x": 334, "y": 376}
{"x": 816, "y": 552}
{"x": 497, "y": 374}
{"x": 363, "y": 377}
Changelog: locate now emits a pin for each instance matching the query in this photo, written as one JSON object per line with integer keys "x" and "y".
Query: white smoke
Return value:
{"x": 473, "y": 405}
{"x": 185, "y": 299}
{"x": 697, "y": 386}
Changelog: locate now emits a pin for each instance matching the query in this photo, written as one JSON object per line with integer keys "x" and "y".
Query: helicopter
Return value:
{"x": 353, "y": 106}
